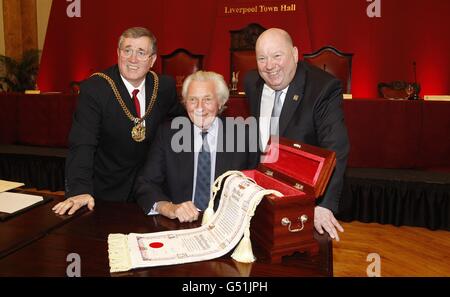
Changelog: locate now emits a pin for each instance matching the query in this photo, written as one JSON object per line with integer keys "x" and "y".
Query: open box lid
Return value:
{"x": 307, "y": 168}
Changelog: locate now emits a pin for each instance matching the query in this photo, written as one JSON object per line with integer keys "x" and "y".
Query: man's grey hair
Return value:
{"x": 137, "y": 32}
{"x": 221, "y": 87}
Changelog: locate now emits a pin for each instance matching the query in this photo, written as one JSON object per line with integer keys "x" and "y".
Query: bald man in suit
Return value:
{"x": 309, "y": 102}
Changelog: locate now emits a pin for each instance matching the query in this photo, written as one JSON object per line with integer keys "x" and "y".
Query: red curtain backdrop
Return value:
{"x": 384, "y": 48}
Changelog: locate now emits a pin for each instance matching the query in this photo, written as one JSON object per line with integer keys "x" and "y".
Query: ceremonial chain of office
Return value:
{"x": 138, "y": 131}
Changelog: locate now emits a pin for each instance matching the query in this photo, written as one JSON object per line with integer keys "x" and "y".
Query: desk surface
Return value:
{"x": 27, "y": 227}
{"x": 46, "y": 253}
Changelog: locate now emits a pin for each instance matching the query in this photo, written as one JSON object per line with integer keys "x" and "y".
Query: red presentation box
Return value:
{"x": 284, "y": 225}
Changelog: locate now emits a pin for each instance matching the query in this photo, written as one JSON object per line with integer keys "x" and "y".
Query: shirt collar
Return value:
{"x": 130, "y": 87}
{"x": 272, "y": 91}
{"x": 212, "y": 130}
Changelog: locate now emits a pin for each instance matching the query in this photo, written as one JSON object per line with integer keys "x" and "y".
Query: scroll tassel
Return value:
{"x": 208, "y": 214}
{"x": 209, "y": 211}
{"x": 119, "y": 257}
{"x": 243, "y": 252}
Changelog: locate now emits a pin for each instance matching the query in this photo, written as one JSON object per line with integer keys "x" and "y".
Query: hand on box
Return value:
{"x": 324, "y": 219}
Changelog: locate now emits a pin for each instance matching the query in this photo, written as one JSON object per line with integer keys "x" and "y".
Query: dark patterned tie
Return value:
{"x": 136, "y": 103}
{"x": 203, "y": 182}
{"x": 276, "y": 111}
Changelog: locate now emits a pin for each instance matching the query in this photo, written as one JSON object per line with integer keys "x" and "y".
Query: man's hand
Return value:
{"x": 184, "y": 212}
{"x": 74, "y": 203}
{"x": 324, "y": 219}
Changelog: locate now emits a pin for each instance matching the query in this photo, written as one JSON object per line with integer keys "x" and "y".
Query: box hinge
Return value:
{"x": 298, "y": 186}
{"x": 269, "y": 173}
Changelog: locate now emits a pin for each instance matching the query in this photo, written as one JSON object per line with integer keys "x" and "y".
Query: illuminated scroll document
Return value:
{"x": 216, "y": 237}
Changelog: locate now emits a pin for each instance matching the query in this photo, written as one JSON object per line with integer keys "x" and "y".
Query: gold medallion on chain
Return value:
{"x": 138, "y": 132}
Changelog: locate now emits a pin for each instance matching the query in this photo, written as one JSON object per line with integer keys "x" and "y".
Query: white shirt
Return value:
{"x": 140, "y": 95}
{"x": 211, "y": 137}
{"x": 267, "y": 102}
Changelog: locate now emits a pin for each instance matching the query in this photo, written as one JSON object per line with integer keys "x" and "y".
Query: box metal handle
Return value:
{"x": 302, "y": 220}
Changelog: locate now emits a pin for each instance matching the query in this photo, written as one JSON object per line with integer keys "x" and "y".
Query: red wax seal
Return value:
{"x": 156, "y": 245}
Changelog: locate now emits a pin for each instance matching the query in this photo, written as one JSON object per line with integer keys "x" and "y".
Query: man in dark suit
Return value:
{"x": 115, "y": 121}
{"x": 301, "y": 102}
{"x": 170, "y": 181}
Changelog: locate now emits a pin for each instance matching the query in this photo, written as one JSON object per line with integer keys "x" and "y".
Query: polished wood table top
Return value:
{"x": 41, "y": 243}
{"x": 22, "y": 229}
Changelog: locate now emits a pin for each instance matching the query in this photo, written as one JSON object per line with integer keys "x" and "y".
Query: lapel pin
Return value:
{"x": 295, "y": 97}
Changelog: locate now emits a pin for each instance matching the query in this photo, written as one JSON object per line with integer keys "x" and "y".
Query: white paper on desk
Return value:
{"x": 213, "y": 240}
{"x": 12, "y": 202}
{"x": 8, "y": 185}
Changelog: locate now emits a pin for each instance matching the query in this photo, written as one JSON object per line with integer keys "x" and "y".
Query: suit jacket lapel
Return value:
{"x": 124, "y": 92}
{"x": 187, "y": 171}
{"x": 259, "y": 89}
{"x": 293, "y": 97}
{"x": 221, "y": 147}
{"x": 149, "y": 83}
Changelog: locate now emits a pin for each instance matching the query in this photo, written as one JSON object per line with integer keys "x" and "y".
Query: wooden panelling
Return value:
{"x": 29, "y": 25}
{"x": 12, "y": 21}
{"x": 2, "y": 32}
{"x": 20, "y": 26}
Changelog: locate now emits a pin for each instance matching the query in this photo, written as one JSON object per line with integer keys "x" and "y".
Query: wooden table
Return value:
{"x": 42, "y": 242}
{"x": 29, "y": 226}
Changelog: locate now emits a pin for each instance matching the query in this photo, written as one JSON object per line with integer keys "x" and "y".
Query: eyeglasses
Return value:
{"x": 141, "y": 55}
{"x": 195, "y": 101}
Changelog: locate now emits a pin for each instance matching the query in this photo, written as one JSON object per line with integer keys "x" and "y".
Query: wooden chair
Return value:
{"x": 398, "y": 90}
{"x": 180, "y": 64}
{"x": 334, "y": 62}
{"x": 242, "y": 54}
